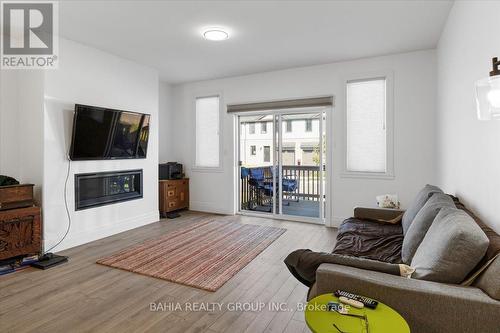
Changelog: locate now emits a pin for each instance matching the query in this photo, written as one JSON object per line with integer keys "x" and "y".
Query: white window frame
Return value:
{"x": 195, "y": 167}
{"x": 389, "y": 173}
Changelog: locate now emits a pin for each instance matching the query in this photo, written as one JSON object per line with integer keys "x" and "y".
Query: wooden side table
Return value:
{"x": 382, "y": 319}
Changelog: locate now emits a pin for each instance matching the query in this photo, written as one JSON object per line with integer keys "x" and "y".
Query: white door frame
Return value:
{"x": 326, "y": 208}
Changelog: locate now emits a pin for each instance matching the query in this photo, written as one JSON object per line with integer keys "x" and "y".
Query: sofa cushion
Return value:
{"x": 426, "y": 306}
{"x": 493, "y": 249}
{"x": 452, "y": 247}
{"x": 489, "y": 280}
{"x": 417, "y": 204}
{"x": 421, "y": 223}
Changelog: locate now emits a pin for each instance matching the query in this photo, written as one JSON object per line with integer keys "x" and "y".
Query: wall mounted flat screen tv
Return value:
{"x": 102, "y": 134}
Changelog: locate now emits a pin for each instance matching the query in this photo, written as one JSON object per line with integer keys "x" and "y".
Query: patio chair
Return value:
{"x": 261, "y": 190}
{"x": 288, "y": 185}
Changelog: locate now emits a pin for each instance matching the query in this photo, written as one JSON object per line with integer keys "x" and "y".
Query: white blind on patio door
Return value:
{"x": 284, "y": 104}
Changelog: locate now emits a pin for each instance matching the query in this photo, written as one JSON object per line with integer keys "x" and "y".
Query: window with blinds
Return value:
{"x": 309, "y": 125}
{"x": 207, "y": 132}
{"x": 263, "y": 127}
{"x": 267, "y": 153}
{"x": 366, "y": 126}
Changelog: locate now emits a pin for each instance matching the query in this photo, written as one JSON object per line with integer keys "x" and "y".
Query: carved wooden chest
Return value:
{"x": 20, "y": 228}
{"x": 16, "y": 196}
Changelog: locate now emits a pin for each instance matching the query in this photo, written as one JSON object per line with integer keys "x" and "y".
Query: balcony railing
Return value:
{"x": 307, "y": 179}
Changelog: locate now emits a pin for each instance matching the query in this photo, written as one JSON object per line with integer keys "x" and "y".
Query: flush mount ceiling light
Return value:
{"x": 215, "y": 34}
{"x": 488, "y": 94}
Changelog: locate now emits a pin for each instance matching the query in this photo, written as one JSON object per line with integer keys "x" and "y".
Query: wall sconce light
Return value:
{"x": 488, "y": 94}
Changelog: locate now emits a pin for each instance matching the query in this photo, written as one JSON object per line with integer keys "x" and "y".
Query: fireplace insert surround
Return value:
{"x": 106, "y": 188}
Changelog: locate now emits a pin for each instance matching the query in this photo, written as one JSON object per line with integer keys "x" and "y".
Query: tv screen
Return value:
{"x": 100, "y": 133}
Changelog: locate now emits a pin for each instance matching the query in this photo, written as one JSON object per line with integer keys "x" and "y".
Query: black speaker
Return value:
{"x": 170, "y": 170}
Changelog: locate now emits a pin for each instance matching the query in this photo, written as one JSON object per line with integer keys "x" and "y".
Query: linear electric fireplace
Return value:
{"x": 105, "y": 188}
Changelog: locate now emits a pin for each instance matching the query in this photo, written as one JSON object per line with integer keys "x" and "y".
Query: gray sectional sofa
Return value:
{"x": 454, "y": 256}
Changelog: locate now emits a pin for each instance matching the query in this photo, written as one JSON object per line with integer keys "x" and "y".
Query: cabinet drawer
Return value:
{"x": 170, "y": 193}
{"x": 172, "y": 204}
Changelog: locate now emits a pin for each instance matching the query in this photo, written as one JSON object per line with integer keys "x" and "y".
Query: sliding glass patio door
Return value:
{"x": 282, "y": 159}
{"x": 256, "y": 163}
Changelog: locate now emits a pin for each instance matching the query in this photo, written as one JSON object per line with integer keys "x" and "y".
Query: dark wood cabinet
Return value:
{"x": 20, "y": 222}
{"x": 174, "y": 195}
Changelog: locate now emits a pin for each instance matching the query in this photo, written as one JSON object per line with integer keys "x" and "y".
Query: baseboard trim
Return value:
{"x": 336, "y": 221}
{"x": 209, "y": 207}
{"x": 84, "y": 237}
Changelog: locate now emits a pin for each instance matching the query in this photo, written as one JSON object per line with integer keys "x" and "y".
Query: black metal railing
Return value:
{"x": 306, "y": 179}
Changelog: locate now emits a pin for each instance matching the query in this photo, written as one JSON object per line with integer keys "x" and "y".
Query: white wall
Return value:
{"x": 414, "y": 94}
{"x": 89, "y": 76}
{"x": 166, "y": 123}
{"x": 9, "y": 105}
{"x": 468, "y": 154}
{"x": 21, "y": 126}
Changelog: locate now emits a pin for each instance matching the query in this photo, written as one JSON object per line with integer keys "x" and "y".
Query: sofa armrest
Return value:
{"x": 387, "y": 214}
{"x": 427, "y": 306}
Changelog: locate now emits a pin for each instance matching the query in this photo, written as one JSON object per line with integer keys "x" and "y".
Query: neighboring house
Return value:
{"x": 300, "y": 141}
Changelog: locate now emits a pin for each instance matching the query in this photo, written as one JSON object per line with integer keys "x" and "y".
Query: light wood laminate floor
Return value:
{"x": 81, "y": 296}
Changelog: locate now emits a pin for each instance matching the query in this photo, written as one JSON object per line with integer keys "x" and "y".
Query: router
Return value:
{"x": 49, "y": 260}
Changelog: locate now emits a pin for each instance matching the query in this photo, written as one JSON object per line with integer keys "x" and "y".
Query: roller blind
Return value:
{"x": 366, "y": 126}
{"x": 285, "y": 104}
{"x": 207, "y": 132}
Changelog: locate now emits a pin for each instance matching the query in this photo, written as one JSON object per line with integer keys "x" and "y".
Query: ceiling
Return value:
{"x": 264, "y": 35}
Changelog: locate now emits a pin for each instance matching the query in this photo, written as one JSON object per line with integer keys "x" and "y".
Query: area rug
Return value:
{"x": 205, "y": 255}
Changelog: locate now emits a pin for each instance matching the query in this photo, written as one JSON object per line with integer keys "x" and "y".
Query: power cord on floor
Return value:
{"x": 66, "y": 206}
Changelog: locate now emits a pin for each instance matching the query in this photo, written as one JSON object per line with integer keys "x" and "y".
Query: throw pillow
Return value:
{"x": 417, "y": 204}
{"x": 452, "y": 247}
{"x": 488, "y": 280}
{"x": 421, "y": 223}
